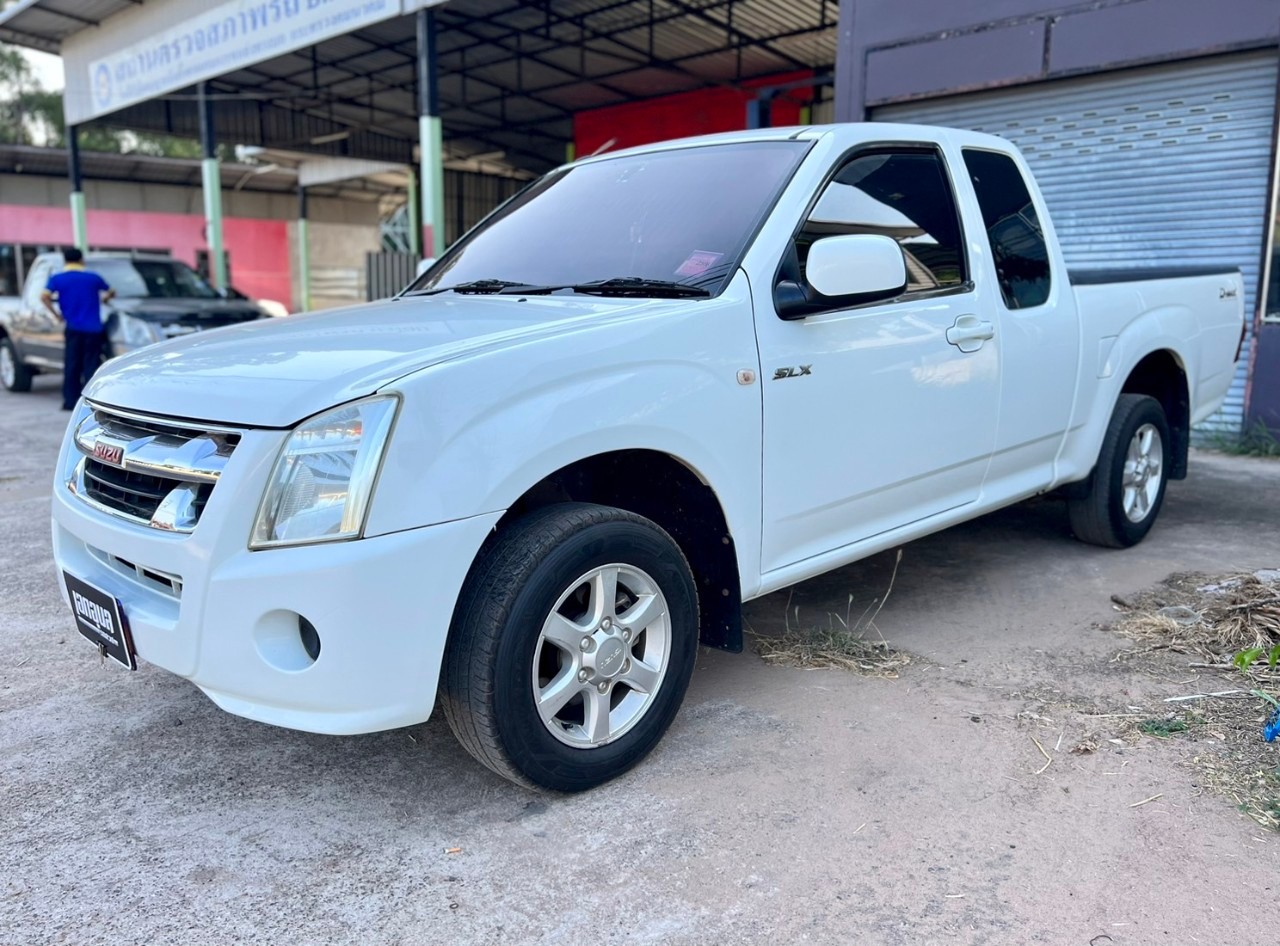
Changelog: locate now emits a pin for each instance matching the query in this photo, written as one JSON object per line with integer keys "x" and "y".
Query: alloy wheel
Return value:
{"x": 601, "y": 656}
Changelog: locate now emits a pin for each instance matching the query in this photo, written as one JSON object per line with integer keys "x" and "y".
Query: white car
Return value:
{"x": 653, "y": 385}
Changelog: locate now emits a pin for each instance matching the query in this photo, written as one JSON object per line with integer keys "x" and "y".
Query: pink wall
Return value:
{"x": 259, "y": 249}
{"x": 701, "y": 112}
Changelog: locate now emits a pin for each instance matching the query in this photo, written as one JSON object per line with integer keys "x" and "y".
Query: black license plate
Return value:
{"x": 101, "y": 620}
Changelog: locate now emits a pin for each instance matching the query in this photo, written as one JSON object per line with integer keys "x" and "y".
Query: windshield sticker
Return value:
{"x": 699, "y": 262}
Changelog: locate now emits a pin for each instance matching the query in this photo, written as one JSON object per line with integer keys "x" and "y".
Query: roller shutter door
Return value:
{"x": 1167, "y": 164}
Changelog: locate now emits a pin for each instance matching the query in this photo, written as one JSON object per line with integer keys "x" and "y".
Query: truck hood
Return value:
{"x": 213, "y": 312}
{"x": 275, "y": 372}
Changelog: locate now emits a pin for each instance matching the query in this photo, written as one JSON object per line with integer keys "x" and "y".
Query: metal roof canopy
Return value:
{"x": 511, "y": 74}
{"x": 277, "y": 173}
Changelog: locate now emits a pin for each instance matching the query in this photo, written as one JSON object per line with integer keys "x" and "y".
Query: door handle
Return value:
{"x": 970, "y": 332}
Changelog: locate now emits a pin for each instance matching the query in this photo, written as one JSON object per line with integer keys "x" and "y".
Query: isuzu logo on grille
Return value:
{"x": 108, "y": 453}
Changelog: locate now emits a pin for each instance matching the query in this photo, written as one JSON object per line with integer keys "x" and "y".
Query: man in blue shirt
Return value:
{"x": 80, "y": 295}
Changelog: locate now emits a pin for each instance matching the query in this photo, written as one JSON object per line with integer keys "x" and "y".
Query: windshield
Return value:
{"x": 682, "y": 216}
{"x": 152, "y": 279}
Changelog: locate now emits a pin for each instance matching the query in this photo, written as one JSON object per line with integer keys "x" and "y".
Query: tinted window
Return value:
{"x": 155, "y": 279}
{"x": 1013, "y": 228}
{"x": 681, "y": 216}
{"x": 8, "y": 270}
{"x": 905, "y": 196}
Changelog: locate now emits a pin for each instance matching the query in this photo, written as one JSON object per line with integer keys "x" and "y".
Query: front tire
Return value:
{"x": 1126, "y": 490}
{"x": 571, "y": 647}
{"x": 14, "y": 375}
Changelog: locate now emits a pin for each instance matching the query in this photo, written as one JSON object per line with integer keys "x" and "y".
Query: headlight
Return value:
{"x": 135, "y": 332}
{"x": 323, "y": 480}
{"x": 274, "y": 309}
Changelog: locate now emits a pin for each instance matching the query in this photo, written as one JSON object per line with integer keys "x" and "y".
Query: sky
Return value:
{"x": 47, "y": 67}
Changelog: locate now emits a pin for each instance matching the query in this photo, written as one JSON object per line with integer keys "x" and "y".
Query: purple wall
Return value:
{"x": 1264, "y": 384}
{"x": 893, "y": 51}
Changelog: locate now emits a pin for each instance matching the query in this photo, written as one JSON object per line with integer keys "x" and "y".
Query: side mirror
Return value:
{"x": 856, "y": 265}
{"x": 424, "y": 265}
{"x": 848, "y": 270}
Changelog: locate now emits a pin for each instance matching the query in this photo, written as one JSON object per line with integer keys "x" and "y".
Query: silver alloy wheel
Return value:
{"x": 8, "y": 370}
{"x": 1143, "y": 472}
{"x": 602, "y": 656}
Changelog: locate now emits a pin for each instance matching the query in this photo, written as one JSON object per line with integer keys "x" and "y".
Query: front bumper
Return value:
{"x": 206, "y": 608}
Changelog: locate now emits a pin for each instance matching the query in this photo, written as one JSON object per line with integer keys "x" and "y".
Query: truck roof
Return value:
{"x": 848, "y": 134}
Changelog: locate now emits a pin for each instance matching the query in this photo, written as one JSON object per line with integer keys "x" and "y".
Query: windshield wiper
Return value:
{"x": 476, "y": 287}
{"x": 620, "y": 286}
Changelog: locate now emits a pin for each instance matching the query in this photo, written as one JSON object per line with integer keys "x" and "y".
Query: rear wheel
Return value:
{"x": 1126, "y": 490}
{"x": 14, "y": 375}
{"x": 572, "y": 646}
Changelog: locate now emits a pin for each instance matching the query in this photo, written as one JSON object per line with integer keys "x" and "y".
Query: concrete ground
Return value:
{"x": 785, "y": 805}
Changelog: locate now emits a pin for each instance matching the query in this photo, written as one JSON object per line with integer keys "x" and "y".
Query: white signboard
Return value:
{"x": 223, "y": 38}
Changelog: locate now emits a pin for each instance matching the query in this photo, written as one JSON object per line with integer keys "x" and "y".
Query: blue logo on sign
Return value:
{"x": 102, "y": 90}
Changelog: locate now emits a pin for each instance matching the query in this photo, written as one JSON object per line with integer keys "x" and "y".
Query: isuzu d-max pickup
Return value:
{"x": 651, "y": 386}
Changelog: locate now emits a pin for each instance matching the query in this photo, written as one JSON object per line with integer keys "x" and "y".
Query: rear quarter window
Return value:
{"x": 1017, "y": 242}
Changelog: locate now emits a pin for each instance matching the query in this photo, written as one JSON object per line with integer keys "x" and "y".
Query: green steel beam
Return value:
{"x": 304, "y": 254}
{"x": 430, "y": 135}
{"x": 79, "y": 223}
{"x": 211, "y": 180}
{"x": 415, "y": 214}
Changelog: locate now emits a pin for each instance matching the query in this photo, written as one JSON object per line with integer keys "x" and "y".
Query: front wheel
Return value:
{"x": 14, "y": 375}
{"x": 571, "y": 647}
{"x": 1127, "y": 487}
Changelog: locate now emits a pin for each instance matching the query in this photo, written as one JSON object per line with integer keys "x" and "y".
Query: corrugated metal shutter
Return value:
{"x": 1167, "y": 164}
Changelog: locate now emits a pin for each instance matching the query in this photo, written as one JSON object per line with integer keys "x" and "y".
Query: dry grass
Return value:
{"x": 824, "y": 648}
{"x": 1213, "y": 619}
{"x": 843, "y": 647}
{"x": 1255, "y": 788}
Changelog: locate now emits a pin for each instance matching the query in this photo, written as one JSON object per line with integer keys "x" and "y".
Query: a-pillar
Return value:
{"x": 79, "y": 228}
{"x": 430, "y": 137}
{"x": 211, "y": 177}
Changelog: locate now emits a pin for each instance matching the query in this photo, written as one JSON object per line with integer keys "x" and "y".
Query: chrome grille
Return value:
{"x": 151, "y": 471}
{"x": 137, "y": 494}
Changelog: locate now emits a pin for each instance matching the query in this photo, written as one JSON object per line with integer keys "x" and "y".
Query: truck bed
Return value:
{"x": 1102, "y": 277}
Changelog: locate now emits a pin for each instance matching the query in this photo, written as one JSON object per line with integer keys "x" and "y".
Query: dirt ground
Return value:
{"x": 784, "y": 806}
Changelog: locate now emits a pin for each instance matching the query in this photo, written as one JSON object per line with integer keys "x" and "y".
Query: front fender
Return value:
{"x": 476, "y": 433}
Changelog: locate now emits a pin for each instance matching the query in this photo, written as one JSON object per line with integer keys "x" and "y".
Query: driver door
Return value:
{"x": 883, "y": 414}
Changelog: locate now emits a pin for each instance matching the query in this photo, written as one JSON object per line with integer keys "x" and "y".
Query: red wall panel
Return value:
{"x": 259, "y": 249}
{"x": 702, "y": 112}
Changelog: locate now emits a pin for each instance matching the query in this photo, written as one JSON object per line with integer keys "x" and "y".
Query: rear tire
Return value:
{"x": 14, "y": 375}
{"x": 571, "y": 647}
{"x": 1126, "y": 489}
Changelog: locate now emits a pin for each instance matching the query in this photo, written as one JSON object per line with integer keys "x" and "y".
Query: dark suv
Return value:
{"x": 157, "y": 297}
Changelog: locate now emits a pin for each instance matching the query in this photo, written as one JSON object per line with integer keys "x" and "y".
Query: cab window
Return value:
{"x": 1017, "y": 242}
{"x": 904, "y": 195}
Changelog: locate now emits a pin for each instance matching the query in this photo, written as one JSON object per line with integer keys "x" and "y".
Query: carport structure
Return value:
{"x": 412, "y": 82}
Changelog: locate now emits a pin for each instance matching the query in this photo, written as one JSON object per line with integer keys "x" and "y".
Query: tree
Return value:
{"x": 27, "y": 112}
{"x": 31, "y": 114}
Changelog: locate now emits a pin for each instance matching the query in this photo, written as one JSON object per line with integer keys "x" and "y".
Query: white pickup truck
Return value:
{"x": 653, "y": 385}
